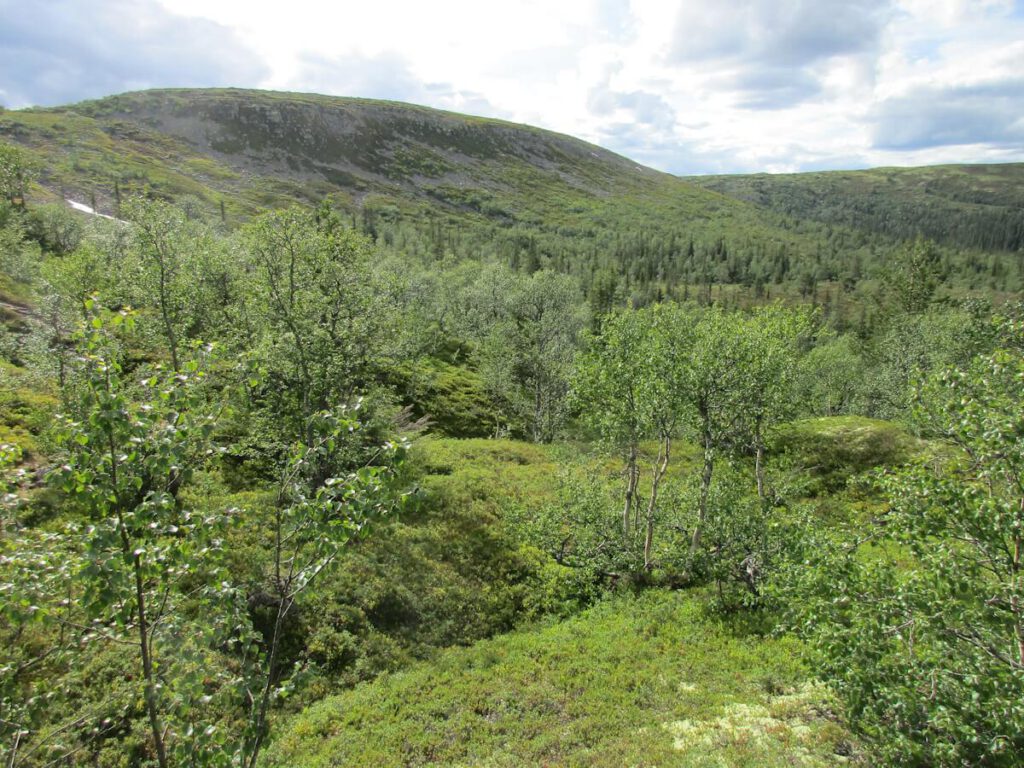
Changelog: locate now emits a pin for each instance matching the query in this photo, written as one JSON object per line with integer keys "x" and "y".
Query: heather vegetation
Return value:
{"x": 467, "y": 459}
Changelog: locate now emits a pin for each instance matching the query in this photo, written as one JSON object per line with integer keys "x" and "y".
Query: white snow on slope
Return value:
{"x": 87, "y": 209}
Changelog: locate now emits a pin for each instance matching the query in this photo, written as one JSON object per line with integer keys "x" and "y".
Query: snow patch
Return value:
{"x": 87, "y": 209}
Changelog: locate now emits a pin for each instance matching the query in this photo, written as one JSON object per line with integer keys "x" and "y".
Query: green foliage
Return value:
{"x": 19, "y": 257}
{"x": 836, "y": 449}
{"x": 725, "y": 378}
{"x": 913, "y": 345}
{"x": 147, "y": 573}
{"x": 605, "y": 386}
{"x": 447, "y": 571}
{"x": 580, "y": 528}
{"x": 452, "y": 398}
{"x": 10, "y": 456}
{"x": 526, "y": 352}
{"x": 165, "y": 259}
{"x": 917, "y": 277}
{"x": 314, "y": 519}
{"x": 453, "y": 303}
{"x": 631, "y": 385}
{"x": 126, "y": 458}
{"x": 925, "y": 649}
{"x": 969, "y": 206}
{"x": 55, "y": 228}
{"x": 648, "y": 680}
{"x": 828, "y": 377}
{"x": 17, "y": 170}
{"x": 26, "y": 413}
{"x": 434, "y": 184}
{"x": 313, "y": 318}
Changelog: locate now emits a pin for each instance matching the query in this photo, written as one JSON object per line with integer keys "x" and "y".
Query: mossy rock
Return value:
{"x": 836, "y": 448}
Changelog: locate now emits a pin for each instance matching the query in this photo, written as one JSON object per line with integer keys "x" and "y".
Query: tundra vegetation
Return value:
{"x": 263, "y": 480}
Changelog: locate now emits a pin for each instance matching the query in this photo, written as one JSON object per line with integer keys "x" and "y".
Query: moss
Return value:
{"x": 25, "y": 414}
{"x": 834, "y": 449}
{"x": 451, "y": 397}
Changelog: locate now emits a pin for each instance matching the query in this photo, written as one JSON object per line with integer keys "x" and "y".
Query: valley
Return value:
{"x": 353, "y": 432}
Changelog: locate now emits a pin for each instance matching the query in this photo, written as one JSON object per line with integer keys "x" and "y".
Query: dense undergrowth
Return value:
{"x": 654, "y": 679}
{"x": 497, "y": 479}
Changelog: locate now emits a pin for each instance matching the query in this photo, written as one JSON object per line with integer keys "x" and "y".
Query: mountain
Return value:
{"x": 444, "y": 183}
{"x": 270, "y": 147}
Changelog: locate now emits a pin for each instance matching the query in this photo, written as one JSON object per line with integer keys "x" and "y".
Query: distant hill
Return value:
{"x": 270, "y": 147}
{"x": 970, "y": 206}
{"x": 440, "y": 183}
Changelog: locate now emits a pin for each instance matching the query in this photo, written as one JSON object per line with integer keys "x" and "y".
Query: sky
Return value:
{"x": 685, "y": 86}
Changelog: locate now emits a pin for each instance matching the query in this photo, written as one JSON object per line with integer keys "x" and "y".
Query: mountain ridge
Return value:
{"x": 474, "y": 187}
{"x": 352, "y": 141}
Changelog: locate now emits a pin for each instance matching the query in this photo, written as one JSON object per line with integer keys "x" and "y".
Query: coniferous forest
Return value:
{"x": 446, "y": 441}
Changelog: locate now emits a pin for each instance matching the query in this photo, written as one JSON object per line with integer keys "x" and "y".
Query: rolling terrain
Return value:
{"x": 969, "y": 206}
{"x": 444, "y": 183}
{"x": 385, "y": 377}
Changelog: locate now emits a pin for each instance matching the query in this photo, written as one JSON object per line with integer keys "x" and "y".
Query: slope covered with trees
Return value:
{"x": 261, "y": 468}
{"x": 442, "y": 184}
{"x": 968, "y": 206}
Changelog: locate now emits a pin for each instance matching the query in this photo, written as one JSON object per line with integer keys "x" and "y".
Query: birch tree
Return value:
{"x": 711, "y": 380}
{"x": 772, "y": 336}
{"x": 527, "y": 353}
{"x": 630, "y": 386}
{"x": 312, "y": 311}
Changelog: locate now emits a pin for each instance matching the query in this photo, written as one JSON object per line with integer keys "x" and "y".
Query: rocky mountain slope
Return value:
{"x": 482, "y": 188}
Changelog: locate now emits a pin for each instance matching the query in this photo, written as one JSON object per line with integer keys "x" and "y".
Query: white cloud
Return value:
{"x": 61, "y": 51}
{"x": 691, "y": 86}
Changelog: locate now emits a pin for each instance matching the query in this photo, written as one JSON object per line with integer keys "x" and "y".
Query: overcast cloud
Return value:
{"x": 695, "y": 86}
{"x": 776, "y": 53}
{"x": 934, "y": 116}
{"x": 60, "y": 51}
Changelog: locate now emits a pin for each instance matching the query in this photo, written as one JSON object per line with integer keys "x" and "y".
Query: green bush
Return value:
{"x": 653, "y": 680}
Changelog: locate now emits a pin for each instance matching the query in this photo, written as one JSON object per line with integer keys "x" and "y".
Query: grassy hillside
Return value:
{"x": 277, "y": 147}
{"x": 653, "y": 680}
{"x": 433, "y": 184}
{"x": 970, "y": 206}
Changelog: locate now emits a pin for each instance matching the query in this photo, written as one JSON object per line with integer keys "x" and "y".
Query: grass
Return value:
{"x": 654, "y": 680}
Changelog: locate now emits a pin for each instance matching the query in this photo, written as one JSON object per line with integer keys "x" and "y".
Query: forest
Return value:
{"x": 379, "y": 484}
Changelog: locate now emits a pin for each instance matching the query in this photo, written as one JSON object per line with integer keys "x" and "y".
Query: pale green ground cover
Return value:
{"x": 655, "y": 680}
